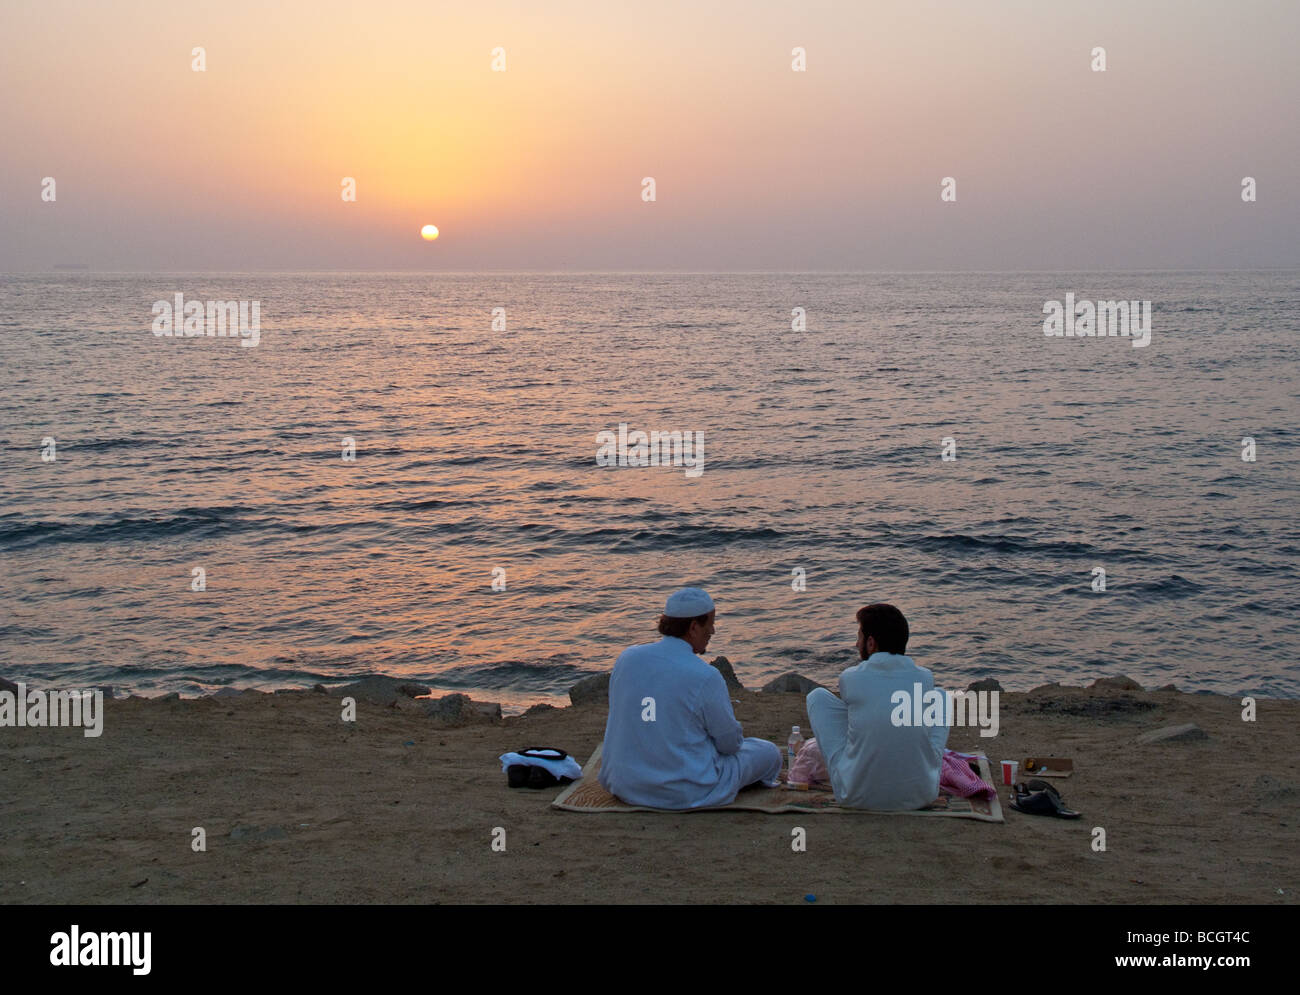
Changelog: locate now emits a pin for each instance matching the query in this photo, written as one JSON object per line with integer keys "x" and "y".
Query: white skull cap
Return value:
{"x": 689, "y": 602}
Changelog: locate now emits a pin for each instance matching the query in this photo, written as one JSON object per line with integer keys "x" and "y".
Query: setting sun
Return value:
{"x": 429, "y": 233}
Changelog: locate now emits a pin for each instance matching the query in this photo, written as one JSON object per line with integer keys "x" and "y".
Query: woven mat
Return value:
{"x": 587, "y": 795}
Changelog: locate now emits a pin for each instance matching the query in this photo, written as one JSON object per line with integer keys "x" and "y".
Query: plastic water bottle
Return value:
{"x": 793, "y": 747}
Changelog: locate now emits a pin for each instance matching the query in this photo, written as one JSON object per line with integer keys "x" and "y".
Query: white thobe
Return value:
{"x": 872, "y": 762}
{"x": 672, "y": 739}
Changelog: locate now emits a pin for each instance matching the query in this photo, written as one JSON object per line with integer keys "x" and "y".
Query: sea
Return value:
{"x": 437, "y": 477}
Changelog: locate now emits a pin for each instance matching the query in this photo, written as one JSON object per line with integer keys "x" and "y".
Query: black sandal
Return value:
{"x": 1042, "y": 800}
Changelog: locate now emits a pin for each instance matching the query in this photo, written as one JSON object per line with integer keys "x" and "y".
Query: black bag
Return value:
{"x": 530, "y": 776}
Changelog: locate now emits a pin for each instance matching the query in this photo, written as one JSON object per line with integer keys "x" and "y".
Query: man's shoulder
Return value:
{"x": 636, "y": 652}
{"x": 663, "y": 653}
{"x": 917, "y": 671}
{"x": 889, "y": 669}
{"x": 678, "y": 660}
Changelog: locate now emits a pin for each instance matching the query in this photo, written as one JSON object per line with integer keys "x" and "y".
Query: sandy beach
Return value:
{"x": 300, "y": 807}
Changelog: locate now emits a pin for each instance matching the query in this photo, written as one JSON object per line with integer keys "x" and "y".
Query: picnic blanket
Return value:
{"x": 587, "y": 795}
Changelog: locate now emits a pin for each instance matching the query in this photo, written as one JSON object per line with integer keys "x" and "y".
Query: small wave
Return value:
{"x": 514, "y": 675}
{"x": 1173, "y": 586}
{"x": 1000, "y": 544}
{"x": 183, "y": 521}
{"x": 693, "y": 536}
{"x": 99, "y": 445}
{"x": 410, "y": 505}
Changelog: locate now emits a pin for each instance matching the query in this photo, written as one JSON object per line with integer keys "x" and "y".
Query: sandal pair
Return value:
{"x": 1037, "y": 797}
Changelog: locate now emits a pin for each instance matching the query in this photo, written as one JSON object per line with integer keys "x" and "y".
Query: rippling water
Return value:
{"x": 476, "y": 450}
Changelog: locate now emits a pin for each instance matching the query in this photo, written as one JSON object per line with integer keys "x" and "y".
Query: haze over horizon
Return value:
{"x": 757, "y": 167}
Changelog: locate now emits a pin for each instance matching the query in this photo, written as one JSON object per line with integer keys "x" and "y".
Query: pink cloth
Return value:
{"x": 956, "y": 777}
{"x": 809, "y": 766}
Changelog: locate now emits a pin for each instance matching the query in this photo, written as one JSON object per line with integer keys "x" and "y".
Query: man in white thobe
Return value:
{"x": 874, "y": 763}
{"x": 672, "y": 740}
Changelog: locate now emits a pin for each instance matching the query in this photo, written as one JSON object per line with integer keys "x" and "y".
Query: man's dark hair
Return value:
{"x": 886, "y": 625}
{"x": 680, "y": 626}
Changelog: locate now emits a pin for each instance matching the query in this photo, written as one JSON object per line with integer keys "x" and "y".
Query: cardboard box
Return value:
{"x": 1054, "y": 767}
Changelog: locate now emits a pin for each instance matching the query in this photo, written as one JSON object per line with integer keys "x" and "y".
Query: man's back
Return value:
{"x": 686, "y": 757}
{"x": 883, "y": 766}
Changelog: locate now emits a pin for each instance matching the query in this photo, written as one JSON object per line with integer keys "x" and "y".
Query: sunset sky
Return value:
{"x": 757, "y": 167}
